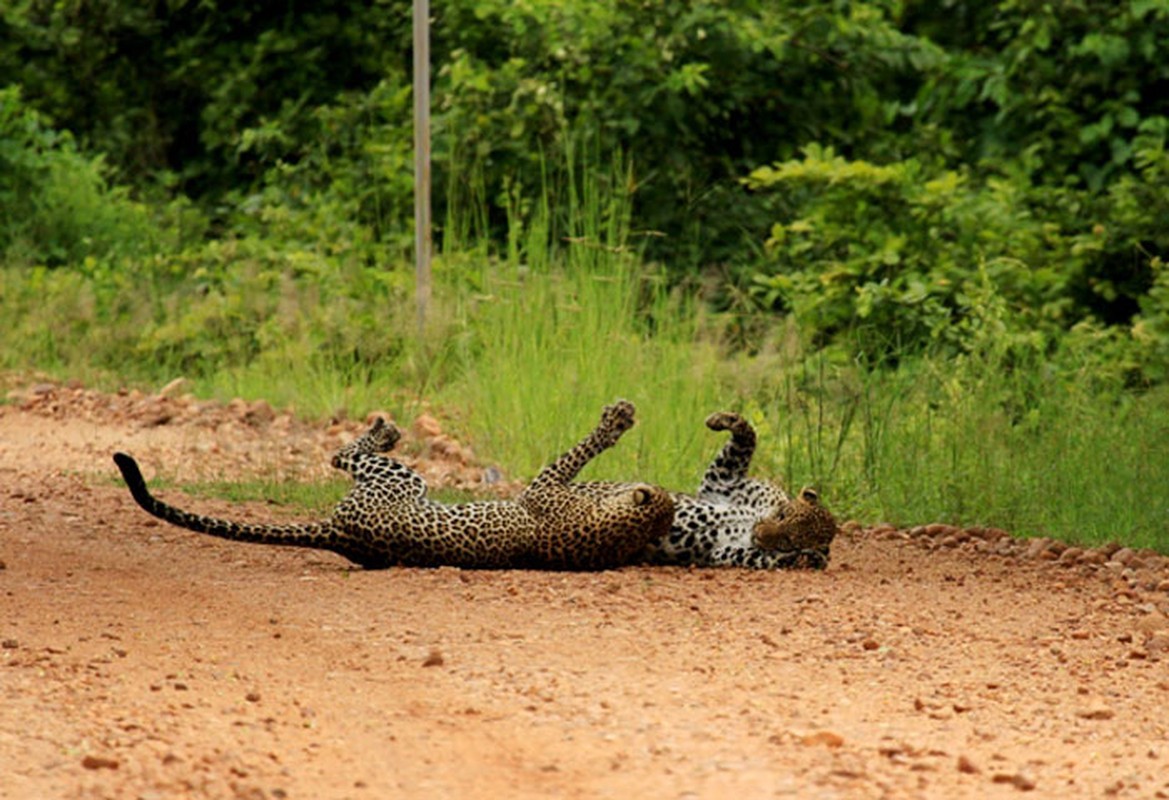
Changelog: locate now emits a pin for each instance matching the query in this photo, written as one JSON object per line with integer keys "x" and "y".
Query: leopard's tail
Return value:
{"x": 322, "y": 535}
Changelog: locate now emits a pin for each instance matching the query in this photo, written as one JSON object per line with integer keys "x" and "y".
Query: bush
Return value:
{"x": 60, "y": 207}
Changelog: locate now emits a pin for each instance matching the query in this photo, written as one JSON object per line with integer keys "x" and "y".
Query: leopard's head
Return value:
{"x": 801, "y": 524}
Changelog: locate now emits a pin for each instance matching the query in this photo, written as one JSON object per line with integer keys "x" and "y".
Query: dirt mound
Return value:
{"x": 138, "y": 660}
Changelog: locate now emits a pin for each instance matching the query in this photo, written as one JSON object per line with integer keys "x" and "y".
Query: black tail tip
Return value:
{"x": 129, "y": 468}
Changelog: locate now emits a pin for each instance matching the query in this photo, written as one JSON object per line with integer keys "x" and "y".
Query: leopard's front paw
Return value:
{"x": 383, "y": 435}
{"x": 727, "y": 421}
{"x": 615, "y": 420}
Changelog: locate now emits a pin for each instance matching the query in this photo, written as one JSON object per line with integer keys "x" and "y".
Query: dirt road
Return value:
{"x": 142, "y": 661}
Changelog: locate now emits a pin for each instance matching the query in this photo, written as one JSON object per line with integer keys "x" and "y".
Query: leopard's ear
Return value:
{"x": 810, "y": 496}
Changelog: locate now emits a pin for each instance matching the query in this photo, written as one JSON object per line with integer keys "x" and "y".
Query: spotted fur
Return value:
{"x": 387, "y": 519}
{"x": 736, "y": 521}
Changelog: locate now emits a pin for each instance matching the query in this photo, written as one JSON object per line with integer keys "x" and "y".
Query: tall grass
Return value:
{"x": 573, "y": 319}
{"x": 963, "y": 441}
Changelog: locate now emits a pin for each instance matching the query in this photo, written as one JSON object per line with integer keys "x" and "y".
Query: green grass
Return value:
{"x": 299, "y": 497}
{"x": 959, "y": 442}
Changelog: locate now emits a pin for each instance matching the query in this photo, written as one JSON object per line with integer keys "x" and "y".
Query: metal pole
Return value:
{"x": 422, "y": 159}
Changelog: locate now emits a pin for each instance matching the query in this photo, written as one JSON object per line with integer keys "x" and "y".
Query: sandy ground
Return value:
{"x": 142, "y": 661}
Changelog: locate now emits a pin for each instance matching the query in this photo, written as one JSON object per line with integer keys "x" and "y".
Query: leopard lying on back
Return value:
{"x": 387, "y": 519}
{"x": 736, "y": 521}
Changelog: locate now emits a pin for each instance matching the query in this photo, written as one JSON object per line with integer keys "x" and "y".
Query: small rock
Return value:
{"x": 252, "y": 697}
{"x": 426, "y": 426}
{"x": 965, "y": 765}
{"x": 259, "y": 413}
{"x": 1070, "y": 556}
{"x": 1020, "y": 780}
{"x": 995, "y": 534}
{"x": 1097, "y": 711}
{"x": 1158, "y": 642}
{"x": 1037, "y": 547}
{"x": 825, "y": 738}
{"x": 433, "y": 659}
{"x": 1124, "y": 555}
{"x": 870, "y": 644}
{"x": 99, "y": 762}
{"x": 444, "y": 447}
{"x": 10, "y": 644}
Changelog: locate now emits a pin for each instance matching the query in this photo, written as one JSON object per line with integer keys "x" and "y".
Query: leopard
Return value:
{"x": 737, "y": 521}
{"x": 388, "y": 520}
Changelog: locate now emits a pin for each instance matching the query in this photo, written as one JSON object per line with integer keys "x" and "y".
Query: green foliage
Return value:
{"x": 175, "y": 87}
{"x": 296, "y": 115}
{"x": 1071, "y": 85}
{"x": 902, "y": 257}
{"x": 59, "y": 207}
{"x": 216, "y": 98}
{"x": 698, "y": 93}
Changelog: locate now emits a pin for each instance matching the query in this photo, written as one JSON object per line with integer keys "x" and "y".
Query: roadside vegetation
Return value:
{"x": 922, "y": 246}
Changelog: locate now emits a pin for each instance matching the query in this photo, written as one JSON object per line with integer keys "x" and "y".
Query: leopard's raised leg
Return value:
{"x": 616, "y": 419}
{"x": 362, "y": 458}
{"x": 595, "y": 530}
{"x": 380, "y": 438}
{"x": 734, "y": 459}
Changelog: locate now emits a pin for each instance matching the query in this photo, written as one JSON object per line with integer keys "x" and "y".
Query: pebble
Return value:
{"x": 1096, "y": 711}
{"x": 259, "y": 413}
{"x": 1158, "y": 642}
{"x": 1036, "y": 547}
{"x": 1020, "y": 780}
{"x": 1124, "y": 555}
{"x": 99, "y": 762}
{"x": 426, "y": 426}
{"x": 995, "y": 534}
{"x": 965, "y": 765}
{"x": 938, "y": 529}
{"x": 433, "y": 659}
{"x": 825, "y": 738}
